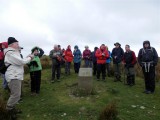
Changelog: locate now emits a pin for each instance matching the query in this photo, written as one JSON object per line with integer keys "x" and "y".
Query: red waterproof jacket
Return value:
{"x": 68, "y": 55}
{"x": 101, "y": 59}
{"x": 1, "y": 49}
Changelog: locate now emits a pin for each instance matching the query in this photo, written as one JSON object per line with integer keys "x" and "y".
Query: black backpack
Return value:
{"x": 147, "y": 55}
{"x": 3, "y": 67}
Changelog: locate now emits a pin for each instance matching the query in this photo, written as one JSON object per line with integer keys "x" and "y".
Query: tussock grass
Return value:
{"x": 110, "y": 112}
{"x": 4, "y": 115}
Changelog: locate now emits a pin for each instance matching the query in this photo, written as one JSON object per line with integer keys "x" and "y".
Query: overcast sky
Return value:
{"x": 44, "y": 23}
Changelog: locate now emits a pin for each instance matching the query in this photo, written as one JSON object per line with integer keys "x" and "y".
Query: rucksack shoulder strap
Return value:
{"x": 143, "y": 51}
{"x": 7, "y": 52}
{"x": 152, "y": 49}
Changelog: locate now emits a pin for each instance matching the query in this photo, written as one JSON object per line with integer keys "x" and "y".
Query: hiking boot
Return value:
{"x": 131, "y": 84}
{"x": 119, "y": 79}
{"x": 33, "y": 93}
{"x": 58, "y": 80}
{"x": 104, "y": 80}
{"x": 98, "y": 79}
{"x": 145, "y": 91}
{"x": 17, "y": 111}
{"x": 52, "y": 81}
{"x": 115, "y": 79}
{"x": 12, "y": 114}
{"x": 148, "y": 92}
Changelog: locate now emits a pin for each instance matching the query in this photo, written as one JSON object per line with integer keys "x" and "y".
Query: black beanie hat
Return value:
{"x": 11, "y": 40}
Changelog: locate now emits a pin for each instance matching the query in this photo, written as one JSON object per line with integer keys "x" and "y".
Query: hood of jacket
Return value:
{"x": 68, "y": 48}
{"x": 146, "y": 42}
{"x": 76, "y": 46}
{"x": 34, "y": 48}
{"x": 5, "y": 44}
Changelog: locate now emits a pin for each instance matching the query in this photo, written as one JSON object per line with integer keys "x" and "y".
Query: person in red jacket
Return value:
{"x": 68, "y": 56}
{"x": 3, "y": 45}
{"x": 102, "y": 55}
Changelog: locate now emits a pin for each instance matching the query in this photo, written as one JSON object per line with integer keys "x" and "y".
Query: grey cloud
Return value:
{"x": 89, "y": 22}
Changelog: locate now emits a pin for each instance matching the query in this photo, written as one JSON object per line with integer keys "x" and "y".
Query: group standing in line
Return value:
{"x": 99, "y": 60}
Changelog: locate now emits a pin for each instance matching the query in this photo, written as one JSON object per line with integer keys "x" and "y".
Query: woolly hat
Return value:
{"x": 11, "y": 40}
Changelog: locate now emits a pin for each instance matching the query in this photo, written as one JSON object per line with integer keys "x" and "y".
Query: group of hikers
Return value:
{"x": 100, "y": 60}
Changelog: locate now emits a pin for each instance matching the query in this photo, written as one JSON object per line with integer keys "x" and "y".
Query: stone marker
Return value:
{"x": 85, "y": 79}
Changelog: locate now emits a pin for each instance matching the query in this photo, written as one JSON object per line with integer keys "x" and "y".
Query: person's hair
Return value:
{"x": 128, "y": 46}
{"x": 103, "y": 45}
{"x": 55, "y": 45}
{"x": 106, "y": 47}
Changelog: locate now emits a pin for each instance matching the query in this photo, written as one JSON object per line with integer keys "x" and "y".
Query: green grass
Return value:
{"x": 56, "y": 101}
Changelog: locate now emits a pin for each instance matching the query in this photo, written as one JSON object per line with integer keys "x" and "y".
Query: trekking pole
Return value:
{"x": 124, "y": 75}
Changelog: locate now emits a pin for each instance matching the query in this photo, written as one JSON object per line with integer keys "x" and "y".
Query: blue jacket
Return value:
{"x": 77, "y": 56}
{"x": 110, "y": 57}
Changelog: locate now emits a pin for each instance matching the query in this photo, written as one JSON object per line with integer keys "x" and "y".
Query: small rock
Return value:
{"x": 134, "y": 106}
{"x": 97, "y": 96}
{"x": 142, "y": 107}
{"x": 136, "y": 96}
{"x": 82, "y": 109}
{"x": 154, "y": 107}
{"x": 88, "y": 98}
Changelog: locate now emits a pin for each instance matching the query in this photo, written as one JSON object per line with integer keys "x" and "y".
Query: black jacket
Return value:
{"x": 119, "y": 53}
{"x": 141, "y": 56}
{"x": 147, "y": 54}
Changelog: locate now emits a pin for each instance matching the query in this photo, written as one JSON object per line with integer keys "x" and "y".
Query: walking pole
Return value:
{"x": 124, "y": 75}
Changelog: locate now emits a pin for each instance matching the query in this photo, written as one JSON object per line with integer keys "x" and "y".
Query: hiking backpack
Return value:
{"x": 147, "y": 55}
{"x": 3, "y": 67}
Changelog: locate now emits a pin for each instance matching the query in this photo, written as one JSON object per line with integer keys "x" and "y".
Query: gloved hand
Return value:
{"x": 103, "y": 54}
{"x": 34, "y": 63}
{"x": 31, "y": 56}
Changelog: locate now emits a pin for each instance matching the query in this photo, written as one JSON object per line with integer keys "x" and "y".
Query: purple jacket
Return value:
{"x": 86, "y": 54}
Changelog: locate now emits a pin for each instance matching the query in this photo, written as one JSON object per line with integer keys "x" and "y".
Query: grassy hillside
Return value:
{"x": 57, "y": 102}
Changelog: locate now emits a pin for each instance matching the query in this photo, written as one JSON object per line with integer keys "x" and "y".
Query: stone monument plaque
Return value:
{"x": 85, "y": 79}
